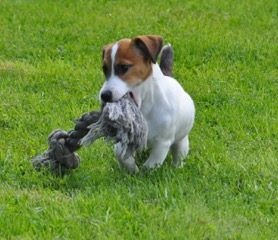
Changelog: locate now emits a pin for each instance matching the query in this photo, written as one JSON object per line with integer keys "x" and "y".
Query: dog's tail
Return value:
{"x": 166, "y": 60}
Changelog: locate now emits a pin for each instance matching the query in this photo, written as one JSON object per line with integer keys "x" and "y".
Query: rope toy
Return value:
{"x": 121, "y": 122}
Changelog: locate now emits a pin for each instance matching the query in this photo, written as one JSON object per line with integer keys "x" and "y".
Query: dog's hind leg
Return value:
{"x": 180, "y": 150}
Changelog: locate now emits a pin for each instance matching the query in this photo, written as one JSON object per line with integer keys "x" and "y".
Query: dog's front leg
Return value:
{"x": 127, "y": 160}
{"x": 129, "y": 164}
{"x": 158, "y": 154}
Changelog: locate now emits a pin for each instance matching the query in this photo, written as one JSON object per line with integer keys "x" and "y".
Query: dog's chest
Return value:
{"x": 158, "y": 126}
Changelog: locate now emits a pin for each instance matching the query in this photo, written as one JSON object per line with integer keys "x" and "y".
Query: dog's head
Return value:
{"x": 127, "y": 63}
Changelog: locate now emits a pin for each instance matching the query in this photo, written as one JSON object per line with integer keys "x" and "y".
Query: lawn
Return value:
{"x": 50, "y": 73}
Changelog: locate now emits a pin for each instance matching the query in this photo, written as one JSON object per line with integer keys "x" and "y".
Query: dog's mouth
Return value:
{"x": 128, "y": 94}
{"x": 133, "y": 98}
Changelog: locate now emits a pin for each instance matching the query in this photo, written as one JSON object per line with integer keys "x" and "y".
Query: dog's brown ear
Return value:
{"x": 150, "y": 46}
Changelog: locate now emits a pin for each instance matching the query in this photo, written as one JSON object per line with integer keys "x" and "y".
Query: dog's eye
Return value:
{"x": 121, "y": 69}
{"x": 105, "y": 70}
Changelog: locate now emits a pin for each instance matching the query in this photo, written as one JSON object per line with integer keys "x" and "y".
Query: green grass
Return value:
{"x": 225, "y": 57}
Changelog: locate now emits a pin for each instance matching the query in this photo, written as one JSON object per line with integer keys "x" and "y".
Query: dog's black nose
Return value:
{"x": 106, "y": 96}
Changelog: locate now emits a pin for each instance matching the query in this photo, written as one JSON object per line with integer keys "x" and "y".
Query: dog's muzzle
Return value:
{"x": 106, "y": 96}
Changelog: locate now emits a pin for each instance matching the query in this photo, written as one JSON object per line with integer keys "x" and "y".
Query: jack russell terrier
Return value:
{"x": 129, "y": 66}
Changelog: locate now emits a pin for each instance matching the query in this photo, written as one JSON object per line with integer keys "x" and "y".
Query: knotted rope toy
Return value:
{"x": 121, "y": 122}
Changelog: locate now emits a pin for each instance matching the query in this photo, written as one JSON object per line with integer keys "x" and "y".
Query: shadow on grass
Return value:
{"x": 92, "y": 178}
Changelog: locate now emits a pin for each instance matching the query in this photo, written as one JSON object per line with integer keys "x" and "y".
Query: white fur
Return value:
{"x": 113, "y": 54}
{"x": 168, "y": 110}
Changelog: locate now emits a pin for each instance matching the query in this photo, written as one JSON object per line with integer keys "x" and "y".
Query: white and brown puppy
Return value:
{"x": 130, "y": 66}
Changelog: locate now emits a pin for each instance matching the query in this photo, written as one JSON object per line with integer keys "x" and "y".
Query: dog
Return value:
{"x": 130, "y": 66}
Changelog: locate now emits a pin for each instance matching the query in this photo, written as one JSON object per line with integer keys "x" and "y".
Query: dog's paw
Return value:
{"x": 129, "y": 165}
{"x": 149, "y": 165}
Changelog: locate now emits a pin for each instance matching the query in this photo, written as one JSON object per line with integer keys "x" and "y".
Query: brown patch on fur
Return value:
{"x": 140, "y": 67}
{"x": 150, "y": 45}
{"x": 106, "y": 60}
